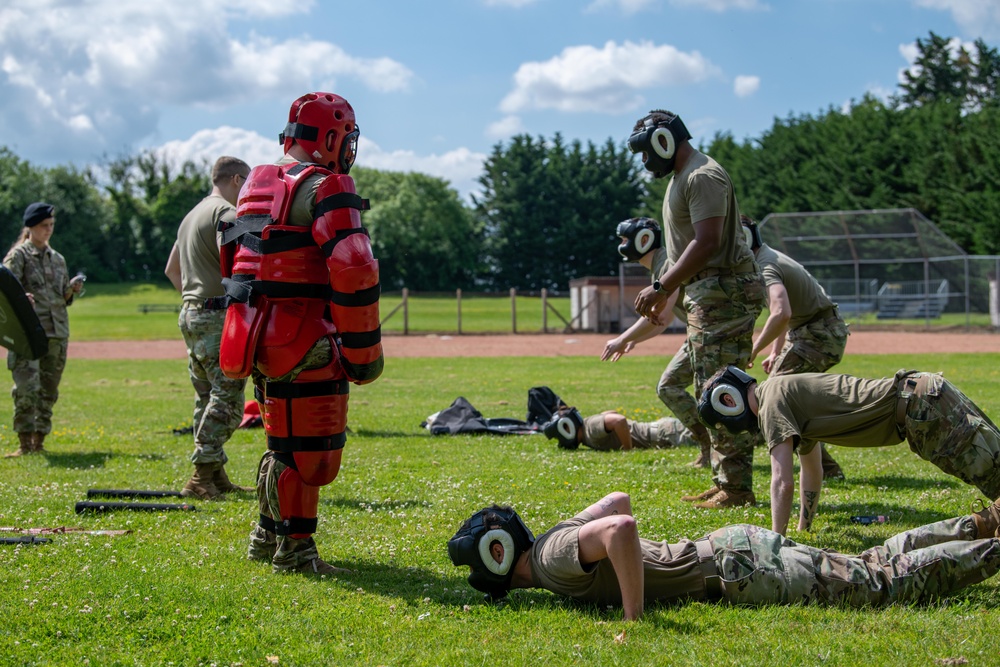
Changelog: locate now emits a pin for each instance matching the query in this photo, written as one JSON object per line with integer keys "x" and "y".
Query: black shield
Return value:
{"x": 20, "y": 330}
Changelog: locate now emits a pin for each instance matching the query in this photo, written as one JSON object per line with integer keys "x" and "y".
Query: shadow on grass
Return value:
{"x": 900, "y": 482}
{"x": 373, "y": 506}
{"x": 71, "y": 460}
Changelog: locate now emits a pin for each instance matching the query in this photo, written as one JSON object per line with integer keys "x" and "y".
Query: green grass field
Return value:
{"x": 113, "y": 312}
{"x": 178, "y": 590}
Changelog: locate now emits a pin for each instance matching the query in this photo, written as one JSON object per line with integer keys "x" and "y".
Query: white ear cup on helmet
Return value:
{"x": 567, "y": 428}
{"x": 728, "y": 410}
{"x": 664, "y": 152}
{"x": 644, "y": 241}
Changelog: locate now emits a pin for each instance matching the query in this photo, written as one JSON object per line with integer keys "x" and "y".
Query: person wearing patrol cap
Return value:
{"x": 43, "y": 274}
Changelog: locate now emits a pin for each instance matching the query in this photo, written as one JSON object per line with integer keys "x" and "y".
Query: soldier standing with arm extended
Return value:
{"x": 723, "y": 288}
{"x": 302, "y": 290}
{"x": 641, "y": 242}
{"x": 193, "y": 268}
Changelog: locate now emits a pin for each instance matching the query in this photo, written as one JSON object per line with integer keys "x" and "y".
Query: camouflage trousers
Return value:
{"x": 673, "y": 388}
{"x": 36, "y": 387}
{"x": 759, "y": 566}
{"x": 218, "y": 405}
{"x": 721, "y": 312}
{"x": 814, "y": 347}
{"x": 945, "y": 427}
{"x": 284, "y": 552}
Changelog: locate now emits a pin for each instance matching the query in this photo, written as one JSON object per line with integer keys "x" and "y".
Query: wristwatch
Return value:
{"x": 657, "y": 287}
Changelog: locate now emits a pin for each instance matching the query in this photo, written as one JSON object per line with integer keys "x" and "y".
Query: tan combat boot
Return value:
{"x": 704, "y": 495}
{"x": 987, "y": 519}
{"x": 26, "y": 447}
{"x": 222, "y": 483}
{"x": 37, "y": 440}
{"x": 724, "y": 499}
{"x": 201, "y": 484}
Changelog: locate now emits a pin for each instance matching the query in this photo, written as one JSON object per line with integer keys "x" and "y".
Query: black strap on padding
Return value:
{"x": 340, "y": 200}
{"x": 278, "y": 242}
{"x": 299, "y": 167}
{"x": 361, "y": 340}
{"x": 300, "y": 131}
{"x": 291, "y": 526}
{"x": 243, "y": 288}
{"x": 302, "y": 389}
{"x": 365, "y": 297}
{"x": 245, "y": 224}
{"x": 295, "y": 443}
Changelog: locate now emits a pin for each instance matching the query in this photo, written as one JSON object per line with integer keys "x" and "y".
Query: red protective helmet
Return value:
{"x": 323, "y": 124}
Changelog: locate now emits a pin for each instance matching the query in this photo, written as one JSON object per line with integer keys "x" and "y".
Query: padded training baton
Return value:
{"x": 131, "y": 493}
{"x": 85, "y": 506}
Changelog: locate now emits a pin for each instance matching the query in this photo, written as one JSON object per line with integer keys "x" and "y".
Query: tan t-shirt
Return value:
{"x": 702, "y": 190}
{"x": 671, "y": 570}
{"x": 836, "y": 409}
{"x": 198, "y": 248}
{"x": 805, "y": 295}
{"x": 664, "y": 433}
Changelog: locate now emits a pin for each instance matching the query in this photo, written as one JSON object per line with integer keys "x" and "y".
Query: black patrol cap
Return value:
{"x": 37, "y": 212}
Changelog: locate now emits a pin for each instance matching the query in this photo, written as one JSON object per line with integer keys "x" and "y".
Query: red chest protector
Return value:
{"x": 276, "y": 276}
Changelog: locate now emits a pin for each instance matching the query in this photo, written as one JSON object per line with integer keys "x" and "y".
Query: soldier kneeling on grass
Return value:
{"x": 598, "y": 557}
{"x": 611, "y": 430}
{"x": 795, "y": 412}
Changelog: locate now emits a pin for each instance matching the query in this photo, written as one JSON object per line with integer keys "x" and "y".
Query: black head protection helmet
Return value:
{"x": 751, "y": 231}
{"x": 471, "y": 546}
{"x": 656, "y": 137}
{"x": 716, "y": 413}
{"x": 565, "y": 427}
{"x": 640, "y": 236}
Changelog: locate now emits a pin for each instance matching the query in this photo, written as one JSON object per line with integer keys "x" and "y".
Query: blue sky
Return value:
{"x": 437, "y": 83}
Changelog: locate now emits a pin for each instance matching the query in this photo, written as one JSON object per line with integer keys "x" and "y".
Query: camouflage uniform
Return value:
{"x": 943, "y": 426}
{"x": 759, "y": 566}
{"x": 817, "y": 335}
{"x": 721, "y": 312}
{"x": 218, "y": 406}
{"x": 44, "y": 275}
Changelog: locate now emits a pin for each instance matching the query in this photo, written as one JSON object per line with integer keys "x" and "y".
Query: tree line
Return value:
{"x": 547, "y": 208}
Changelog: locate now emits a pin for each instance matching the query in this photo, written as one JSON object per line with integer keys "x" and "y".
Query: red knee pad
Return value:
{"x": 298, "y": 502}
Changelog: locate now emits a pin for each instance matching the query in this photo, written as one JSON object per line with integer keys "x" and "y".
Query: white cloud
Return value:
{"x": 460, "y": 167}
{"x": 975, "y": 17}
{"x": 80, "y": 79}
{"x": 744, "y": 85}
{"x": 506, "y": 127}
{"x": 584, "y": 78}
{"x": 210, "y": 144}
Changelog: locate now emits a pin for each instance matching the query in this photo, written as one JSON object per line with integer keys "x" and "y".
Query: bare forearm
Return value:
{"x": 625, "y": 555}
{"x": 773, "y": 328}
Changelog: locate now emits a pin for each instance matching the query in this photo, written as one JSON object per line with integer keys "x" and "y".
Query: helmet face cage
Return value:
{"x": 715, "y": 411}
{"x": 565, "y": 428}
{"x": 324, "y": 125}
{"x": 472, "y": 544}
{"x": 657, "y": 141}
{"x": 640, "y": 236}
